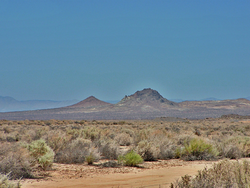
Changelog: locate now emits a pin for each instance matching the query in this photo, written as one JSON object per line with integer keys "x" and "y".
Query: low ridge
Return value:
{"x": 90, "y": 102}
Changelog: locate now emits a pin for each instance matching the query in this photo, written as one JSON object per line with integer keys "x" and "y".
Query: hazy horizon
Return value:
{"x": 65, "y": 50}
{"x": 113, "y": 101}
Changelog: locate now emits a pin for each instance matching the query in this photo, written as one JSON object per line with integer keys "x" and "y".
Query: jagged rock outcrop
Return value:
{"x": 145, "y": 97}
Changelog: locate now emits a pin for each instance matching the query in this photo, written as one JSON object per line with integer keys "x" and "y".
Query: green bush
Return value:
{"x": 224, "y": 174}
{"x": 130, "y": 159}
{"x": 198, "y": 149}
{"x": 90, "y": 159}
{"x": 42, "y": 153}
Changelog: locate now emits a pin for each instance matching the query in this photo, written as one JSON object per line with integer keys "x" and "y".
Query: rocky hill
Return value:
{"x": 145, "y": 97}
{"x": 89, "y": 102}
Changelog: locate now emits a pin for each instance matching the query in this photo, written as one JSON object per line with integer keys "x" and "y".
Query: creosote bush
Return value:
{"x": 130, "y": 159}
{"x": 198, "y": 149}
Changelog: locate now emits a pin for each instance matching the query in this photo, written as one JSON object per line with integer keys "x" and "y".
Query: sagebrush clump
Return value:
{"x": 76, "y": 152}
{"x": 15, "y": 161}
{"x": 42, "y": 153}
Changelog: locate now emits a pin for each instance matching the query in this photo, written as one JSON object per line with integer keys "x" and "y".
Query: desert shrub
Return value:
{"x": 56, "y": 139}
{"x": 42, "y": 153}
{"x": 11, "y": 138}
{"x": 243, "y": 143}
{"x": 75, "y": 133}
{"x": 179, "y": 152}
{"x": 7, "y": 130}
{"x": 123, "y": 139}
{"x": 183, "y": 139}
{"x": 167, "y": 150}
{"x": 2, "y": 136}
{"x": 224, "y": 174}
{"x": 232, "y": 152}
{"x": 157, "y": 135}
{"x": 130, "y": 159}
{"x": 109, "y": 150}
{"x": 198, "y": 149}
{"x": 92, "y": 134}
{"x": 229, "y": 151}
{"x": 77, "y": 151}
{"x": 92, "y": 156}
{"x": 5, "y": 148}
{"x": 15, "y": 161}
{"x": 128, "y": 131}
{"x": 6, "y": 183}
{"x": 175, "y": 128}
{"x": 142, "y": 135}
{"x": 147, "y": 150}
{"x": 121, "y": 122}
{"x": 90, "y": 159}
{"x": 234, "y": 147}
{"x": 28, "y": 135}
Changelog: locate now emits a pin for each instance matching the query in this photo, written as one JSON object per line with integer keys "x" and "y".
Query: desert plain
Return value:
{"x": 86, "y": 153}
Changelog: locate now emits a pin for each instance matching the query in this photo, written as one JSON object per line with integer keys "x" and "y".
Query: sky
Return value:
{"x": 72, "y": 49}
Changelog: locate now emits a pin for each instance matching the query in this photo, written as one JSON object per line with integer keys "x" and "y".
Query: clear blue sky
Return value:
{"x": 68, "y": 49}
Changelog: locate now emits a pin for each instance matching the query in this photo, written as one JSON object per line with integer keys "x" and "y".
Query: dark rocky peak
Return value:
{"x": 147, "y": 95}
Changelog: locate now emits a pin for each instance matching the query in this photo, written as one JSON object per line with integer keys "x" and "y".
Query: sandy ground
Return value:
{"x": 152, "y": 174}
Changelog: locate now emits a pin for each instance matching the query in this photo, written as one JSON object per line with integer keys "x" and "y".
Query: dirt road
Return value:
{"x": 154, "y": 177}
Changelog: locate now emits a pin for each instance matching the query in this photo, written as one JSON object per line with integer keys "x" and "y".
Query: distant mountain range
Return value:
{"x": 8, "y": 104}
{"x": 144, "y": 104}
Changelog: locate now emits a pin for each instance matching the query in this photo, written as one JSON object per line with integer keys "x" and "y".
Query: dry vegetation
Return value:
{"x": 223, "y": 174}
{"x": 29, "y": 148}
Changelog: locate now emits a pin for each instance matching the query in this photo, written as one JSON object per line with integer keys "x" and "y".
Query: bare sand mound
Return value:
{"x": 153, "y": 175}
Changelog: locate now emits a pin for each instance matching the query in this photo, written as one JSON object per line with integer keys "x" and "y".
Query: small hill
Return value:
{"x": 145, "y": 97}
{"x": 90, "y": 102}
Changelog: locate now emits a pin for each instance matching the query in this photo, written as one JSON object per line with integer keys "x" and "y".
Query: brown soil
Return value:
{"x": 150, "y": 174}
